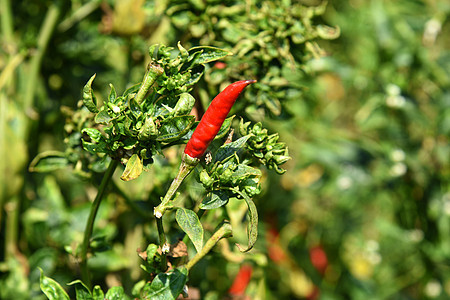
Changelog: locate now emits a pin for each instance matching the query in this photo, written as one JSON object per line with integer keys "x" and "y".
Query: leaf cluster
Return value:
{"x": 272, "y": 41}
{"x": 264, "y": 147}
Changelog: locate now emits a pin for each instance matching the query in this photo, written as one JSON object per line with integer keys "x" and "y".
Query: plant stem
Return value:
{"x": 224, "y": 231}
{"x": 187, "y": 165}
{"x": 162, "y": 243}
{"x": 153, "y": 72}
{"x": 7, "y": 21}
{"x": 78, "y": 15}
{"x": 35, "y": 65}
{"x": 90, "y": 222}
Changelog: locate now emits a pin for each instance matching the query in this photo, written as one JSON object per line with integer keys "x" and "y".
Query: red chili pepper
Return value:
{"x": 241, "y": 280}
{"x": 213, "y": 118}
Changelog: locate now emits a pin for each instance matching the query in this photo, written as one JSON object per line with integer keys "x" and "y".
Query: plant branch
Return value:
{"x": 224, "y": 231}
{"x": 162, "y": 243}
{"x": 90, "y": 223}
{"x": 6, "y": 20}
{"x": 187, "y": 165}
{"x": 45, "y": 33}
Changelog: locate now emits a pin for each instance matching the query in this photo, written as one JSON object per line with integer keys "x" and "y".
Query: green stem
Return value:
{"x": 90, "y": 222}
{"x": 35, "y": 65}
{"x": 187, "y": 165}
{"x": 153, "y": 72}
{"x": 78, "y": 15}
{"x": 7, "y": 20}
{"x": 162, "y": 243}
{"x": 224, "y": 231}
{"x": 12, "y": 221}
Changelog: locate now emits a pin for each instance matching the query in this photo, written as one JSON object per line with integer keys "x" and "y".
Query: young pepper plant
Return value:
{"x": 133, "y": 128}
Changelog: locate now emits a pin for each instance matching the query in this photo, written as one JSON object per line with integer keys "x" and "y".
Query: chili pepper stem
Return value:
{"x": 187, "y": 165}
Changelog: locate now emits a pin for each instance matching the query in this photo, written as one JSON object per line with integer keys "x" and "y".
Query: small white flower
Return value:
{"x": 433, "y": 288}
{"x": 165, "y": 248}
{"x": 415, "y": 235}
{"x": 372, "y": 246}
{"x": 398, "y": 155}
{"x": 115, "y": 109}
{"x": 344, "y": 182}
{"x": 395, "y": 101}
{"x": 398, "y": 169}
{"x": 393, "y": 89}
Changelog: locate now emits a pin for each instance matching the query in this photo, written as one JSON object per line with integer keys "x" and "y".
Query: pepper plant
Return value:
{"x": 136, "y": 128}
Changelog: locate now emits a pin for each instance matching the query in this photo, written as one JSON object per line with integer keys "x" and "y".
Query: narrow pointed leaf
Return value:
{"x": 229, "y": 149}
{"x": 252, "y": 230}
{"x": 89, "y": 99}
{"x": 48, "y": 161}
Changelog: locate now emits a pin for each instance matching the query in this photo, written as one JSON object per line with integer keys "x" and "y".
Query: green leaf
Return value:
{"x": 196, "y": 74}
{"x": 215, "y": 199}
{"x": 97, "y": 293}
{"x": 94, "y": 134}
{"x": 226, "y": 125}
{"x": 48, "y": 161}
{"x": 51, "y": 288}
{"x": 112, "y": 94}
{"x": 229, "y": 149}
{"x": 116, "y": 293}
{"x": 135, "y": 108}
{"x": 132, "y": 89}
{"x": 174, "y": 128}
{"x": 103, "y": 117}
{"x": 189, "y": 223}
{"x": 133, "y": 169}
{"x": 81, "y": 290}
{"x": 89, "y": 99}
{"x": 94, "y": 148}
{"x": 208, "y": 54}
{"x": 166, "y": 286}
{"x": 252, "y": 231}
{"x": 184, "y": 104}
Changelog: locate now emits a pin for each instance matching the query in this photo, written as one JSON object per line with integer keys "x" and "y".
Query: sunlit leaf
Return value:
{"x": 48, "y": 161}
{"x": 116, "y": 293}
{"x": 133, "y": 168}
{"x": 51, "y": 288}
{"x": 229, "y": 149}
{"x": 166, "y": 286}
{"x": 252, "y": 230}
{"x": 82, "y": 292}
{"x": 215, "y": 199}
{"x": 174, "y": 128}
{"x": 89, "y": 99}
{"x": 190, "y": 224}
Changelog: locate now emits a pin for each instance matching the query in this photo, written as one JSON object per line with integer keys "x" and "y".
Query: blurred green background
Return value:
{"x": 363, "y": 211}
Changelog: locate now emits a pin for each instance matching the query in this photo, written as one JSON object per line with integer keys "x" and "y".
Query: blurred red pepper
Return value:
{"x": 318, "y": 258}
{"x": 241, "y": 280}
